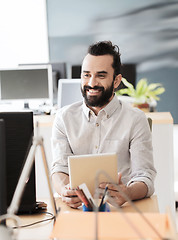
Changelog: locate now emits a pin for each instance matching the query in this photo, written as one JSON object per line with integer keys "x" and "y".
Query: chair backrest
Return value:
{"x": 150, "y": 122}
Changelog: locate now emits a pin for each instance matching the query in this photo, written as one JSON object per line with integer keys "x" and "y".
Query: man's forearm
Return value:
{"x": 137, "y": 190}
{"x": 59, "y": 181}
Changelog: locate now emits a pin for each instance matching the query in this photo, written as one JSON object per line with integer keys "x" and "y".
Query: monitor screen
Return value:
{"x": 69, "y": 92}
{"x": 28, "y": 83}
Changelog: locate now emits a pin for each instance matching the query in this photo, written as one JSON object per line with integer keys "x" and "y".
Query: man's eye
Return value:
{"x": 101, "y": 75}
{"x": 86, "y": 75}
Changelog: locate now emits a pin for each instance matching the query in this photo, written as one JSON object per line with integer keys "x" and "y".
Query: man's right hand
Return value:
{"x": 69, "y": 197}
{"x": 61, "y": 184}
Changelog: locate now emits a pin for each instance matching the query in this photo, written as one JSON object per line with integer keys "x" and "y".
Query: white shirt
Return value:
{"x": 117, "y": 128}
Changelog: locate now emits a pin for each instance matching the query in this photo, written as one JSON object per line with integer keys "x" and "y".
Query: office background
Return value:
{"x": 56, "y": 31}
{"x": 145, "y": 31}
{"x": 60, "y": 31}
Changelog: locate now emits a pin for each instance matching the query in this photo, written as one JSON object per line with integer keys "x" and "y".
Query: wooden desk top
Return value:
{"x": 160, "y": 117}
{"x": 42, "y": 231}
{"x": 144, "y": 205}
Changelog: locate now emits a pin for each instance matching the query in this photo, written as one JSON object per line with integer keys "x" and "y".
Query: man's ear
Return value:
{"x": 117, "y": 80}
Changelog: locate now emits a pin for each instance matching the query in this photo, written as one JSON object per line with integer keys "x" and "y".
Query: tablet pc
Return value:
{"x": 90, "y": 168}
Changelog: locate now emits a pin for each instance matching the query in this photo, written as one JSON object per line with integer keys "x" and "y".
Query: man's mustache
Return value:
{"x": 94, "y": 88}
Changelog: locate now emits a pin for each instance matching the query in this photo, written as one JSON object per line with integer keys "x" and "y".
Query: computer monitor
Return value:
{"x": 128, "y": 71}
{"x": 76, "y": 71}
{"x": 16, "y": 135}
{"x": 3, "y": 187}
{"x": 27, "y": 84}
{"x": 59, "y": 72}
{"x": 69, "y": 92}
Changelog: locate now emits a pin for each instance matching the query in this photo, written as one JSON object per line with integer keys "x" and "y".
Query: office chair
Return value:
{"x": 150, "y": 122}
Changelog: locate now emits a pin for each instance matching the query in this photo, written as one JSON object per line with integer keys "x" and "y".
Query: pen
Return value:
{"x": 104, "y": 194}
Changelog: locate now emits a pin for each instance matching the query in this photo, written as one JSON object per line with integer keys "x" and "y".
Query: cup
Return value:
{"x": 103, "y": 208}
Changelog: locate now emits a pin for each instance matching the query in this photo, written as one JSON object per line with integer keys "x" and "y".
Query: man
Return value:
{"x": 103, "y": 124}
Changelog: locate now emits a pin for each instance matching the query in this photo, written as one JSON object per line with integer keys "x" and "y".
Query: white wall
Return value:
{"x": 175, "y": 141}
{"x": 23, "y": 32}
{"x": 162, "y": 136}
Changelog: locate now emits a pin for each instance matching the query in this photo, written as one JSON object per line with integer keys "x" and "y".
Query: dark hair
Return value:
{"x": 104, "y": 48}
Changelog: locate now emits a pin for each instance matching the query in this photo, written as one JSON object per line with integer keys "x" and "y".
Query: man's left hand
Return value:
{"x": 113, "y": 191}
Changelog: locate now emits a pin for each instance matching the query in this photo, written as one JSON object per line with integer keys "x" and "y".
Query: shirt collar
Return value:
{"x": 109, "y": 109}
{"x": 86, "y": 110}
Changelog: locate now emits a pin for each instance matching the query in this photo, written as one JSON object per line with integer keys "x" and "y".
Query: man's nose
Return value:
{"x": 92, "y": 81}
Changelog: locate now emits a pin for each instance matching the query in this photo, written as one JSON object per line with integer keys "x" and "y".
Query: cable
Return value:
{"x": 37, "y": 222}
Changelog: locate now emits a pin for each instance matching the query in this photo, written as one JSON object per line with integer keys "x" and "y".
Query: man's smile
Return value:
{"x": 93, "y": 91}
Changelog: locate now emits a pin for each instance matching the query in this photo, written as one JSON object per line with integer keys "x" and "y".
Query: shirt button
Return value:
{"x": 97, "y": 124}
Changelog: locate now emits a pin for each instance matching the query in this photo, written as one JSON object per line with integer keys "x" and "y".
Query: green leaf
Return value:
{"x": 141, "y": 87}
{"x": 127, "y": 84}
{"x": 126, "y": 91}
{"x": 159, "y": 91}
{"x": 152, "y": 86}
{"x": 144, "y": 92}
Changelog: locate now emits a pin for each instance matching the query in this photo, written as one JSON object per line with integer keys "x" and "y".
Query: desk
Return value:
{"x": 42, "y": 231}
{"x": 145, "y": 205}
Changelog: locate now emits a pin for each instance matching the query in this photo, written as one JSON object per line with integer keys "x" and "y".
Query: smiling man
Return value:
{"x": 103, "y": 124}
{"x": 98, "y": 81}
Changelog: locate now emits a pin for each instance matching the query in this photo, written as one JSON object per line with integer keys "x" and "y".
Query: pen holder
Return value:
{"x": 103, "y": 208}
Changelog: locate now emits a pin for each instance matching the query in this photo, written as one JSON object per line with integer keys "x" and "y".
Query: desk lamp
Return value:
{"x": 5, "y": 232}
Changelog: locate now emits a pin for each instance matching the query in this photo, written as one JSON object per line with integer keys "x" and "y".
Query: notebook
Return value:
{"x": 92, "y": 169}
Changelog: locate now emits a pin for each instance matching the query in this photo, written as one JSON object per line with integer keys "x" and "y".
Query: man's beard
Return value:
{"x": 98, "y": 101}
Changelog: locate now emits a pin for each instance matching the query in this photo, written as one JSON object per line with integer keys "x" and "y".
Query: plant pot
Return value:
{"x": 143, "y": 106}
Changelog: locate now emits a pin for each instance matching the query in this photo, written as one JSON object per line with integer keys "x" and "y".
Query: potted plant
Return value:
{"x": 144, "y": 95}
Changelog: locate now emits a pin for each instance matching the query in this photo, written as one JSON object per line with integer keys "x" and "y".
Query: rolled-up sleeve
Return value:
{"x": 141, "y": 154}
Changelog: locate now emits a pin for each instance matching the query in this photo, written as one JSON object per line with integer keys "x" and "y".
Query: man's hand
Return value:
{"x": 114, "y": 192}
{"x": 61, "y": 184}
{"x": 136, "y": 190}
{"x": 69, "y": 197}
